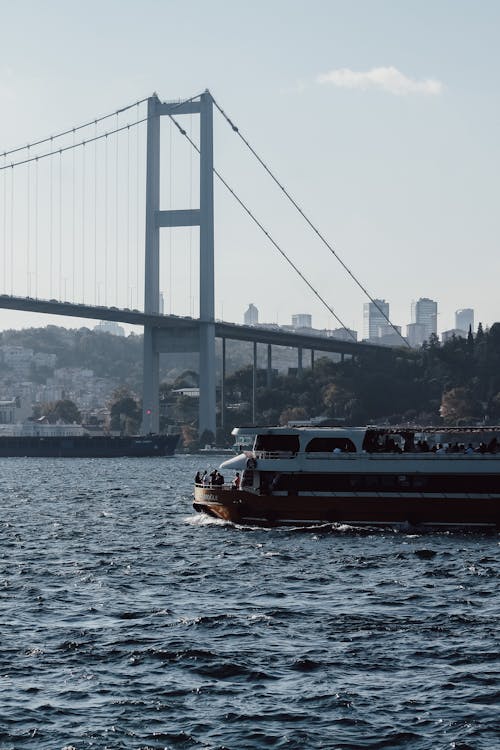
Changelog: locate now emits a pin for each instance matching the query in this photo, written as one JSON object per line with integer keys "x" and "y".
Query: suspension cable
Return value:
{"x": 73, "y": 130}
{"x": 73, "y": 145}
{"x": 263, "y": 229}
{"x": 306, "y": 218}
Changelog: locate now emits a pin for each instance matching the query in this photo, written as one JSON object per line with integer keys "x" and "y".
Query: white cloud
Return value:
{"x": 388, "y": 79}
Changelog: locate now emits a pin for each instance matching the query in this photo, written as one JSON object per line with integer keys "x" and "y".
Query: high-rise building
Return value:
{"x": 374, "y": 322}
{"x": 302, "y": 320}
{"x": 424, "y": 313}
{"x": 464, "y": 319}
{"x": 251, "y": 317}
{"x": 415, "y": 334}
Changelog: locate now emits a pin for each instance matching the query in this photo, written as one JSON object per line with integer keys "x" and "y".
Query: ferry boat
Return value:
{"x": 392, "y": 476}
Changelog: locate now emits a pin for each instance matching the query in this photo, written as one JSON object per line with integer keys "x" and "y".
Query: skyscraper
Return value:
{"x": 251, "y": 317}
{"x": 464, "y": 319}
{"x": 424, "y": 313}
{"x": 374, "y": 322}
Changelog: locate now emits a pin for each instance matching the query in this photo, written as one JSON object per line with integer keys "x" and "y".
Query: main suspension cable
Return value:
{"x": 72, "y": 130}
{"x": 263, "y": 229}
{"x": 306, "y": 218}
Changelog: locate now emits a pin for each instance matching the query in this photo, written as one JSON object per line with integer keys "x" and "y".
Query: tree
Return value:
{"x": 292, "y": 414}
{"x": 62, "y": 411}
{"x": 459, "y": 404}
{"x": 125, "y": 412}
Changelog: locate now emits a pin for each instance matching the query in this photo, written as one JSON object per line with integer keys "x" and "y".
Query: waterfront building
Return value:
{"x": 424, "y": 313}
{"x": 464, "y": 319}
{"x": 251, "y": 317}
{"x": 375, "y": 316}
{"x": 302, "y": 320}
{"x": 14, "y": 410}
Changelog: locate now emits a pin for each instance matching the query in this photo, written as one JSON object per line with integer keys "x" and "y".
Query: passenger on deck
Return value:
{"x": 236, "y": 481}
{"x": 493, "y": 445}
{"x": 197, "y": 479}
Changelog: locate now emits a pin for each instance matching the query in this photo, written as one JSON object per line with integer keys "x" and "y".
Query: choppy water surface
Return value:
{"x": 128, "y": 622}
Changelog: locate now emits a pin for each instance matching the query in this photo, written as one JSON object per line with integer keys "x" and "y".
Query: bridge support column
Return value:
{"x": 299, "y": 361}
{"x": 269, "y": 380}
{"x": 223, "y": 388}
{"x": 150, "y": 388}
{"x": 151, "y": 383}
{"x": 312, "y": 359}
{"x": 254, "y": 382}
{"x": 207, "y": 417}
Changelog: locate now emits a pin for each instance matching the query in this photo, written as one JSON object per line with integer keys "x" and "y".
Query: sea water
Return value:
{"x": 129, "y": 621}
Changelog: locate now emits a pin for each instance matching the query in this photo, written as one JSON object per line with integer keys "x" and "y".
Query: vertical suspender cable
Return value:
{"x": 96, "y": 295}
{"x": 4, "y": 282}
{"x": 105, "y": 219}
{"x": 83, "y": 223}
{"x": 28, "y": 237}
{"x": 36, "y": 231}
{"x": 12, "y": 232}
{"x": 60, "y": 226}
{"x": 116, "y": 209}
{"x": 51, "y": 222}
{"x": 128, "y": 219}
{"x": 190, "y": 226}
{"x": 73, "y": 237}
{"x": 170, "y": 249}
{"x": 137, "y": 254}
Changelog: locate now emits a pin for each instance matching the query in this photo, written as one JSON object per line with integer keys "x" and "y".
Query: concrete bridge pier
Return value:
{"x": 155, "y": 219}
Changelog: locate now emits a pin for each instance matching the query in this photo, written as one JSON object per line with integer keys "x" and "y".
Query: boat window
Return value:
{"x": 276, "y": 443}
{"x": 329, "y": 444}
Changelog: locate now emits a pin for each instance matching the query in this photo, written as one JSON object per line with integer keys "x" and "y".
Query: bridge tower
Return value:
{"x": 201, "y": 338}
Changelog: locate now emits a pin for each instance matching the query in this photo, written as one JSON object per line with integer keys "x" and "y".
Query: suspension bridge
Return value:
{"x": 82, "y": 212}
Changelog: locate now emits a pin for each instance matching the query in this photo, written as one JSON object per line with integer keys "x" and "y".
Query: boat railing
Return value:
{"x": 273, "y": 455}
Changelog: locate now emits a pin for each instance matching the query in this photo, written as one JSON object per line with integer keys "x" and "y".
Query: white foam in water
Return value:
{"x": 201, "y": 519}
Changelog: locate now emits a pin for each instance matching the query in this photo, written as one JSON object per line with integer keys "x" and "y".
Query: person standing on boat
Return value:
{"x": 198, "y": 478}
{"x": 236, "y": 481}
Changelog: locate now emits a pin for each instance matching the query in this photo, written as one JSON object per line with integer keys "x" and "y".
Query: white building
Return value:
{"x": 424, "y": 313}
{"x": 109, "y": 326}
{"x": 17, "y": 358}
{"x": 375, "y": 316}
{"x": 464, "y": 319}
{"x": 302, "y": 320}
{"x": 14, "y": 411}
{"x": 251, "y": 317}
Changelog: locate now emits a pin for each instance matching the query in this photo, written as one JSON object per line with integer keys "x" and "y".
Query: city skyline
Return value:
{"x": 422, "y": 323}
{"x": 369, "y": 115}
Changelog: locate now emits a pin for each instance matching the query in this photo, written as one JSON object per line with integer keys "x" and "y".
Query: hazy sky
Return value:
{"x": 380, "y": 117}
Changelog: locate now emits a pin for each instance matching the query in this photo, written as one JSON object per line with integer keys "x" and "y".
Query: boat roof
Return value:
{"x": 382, "y": 429}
